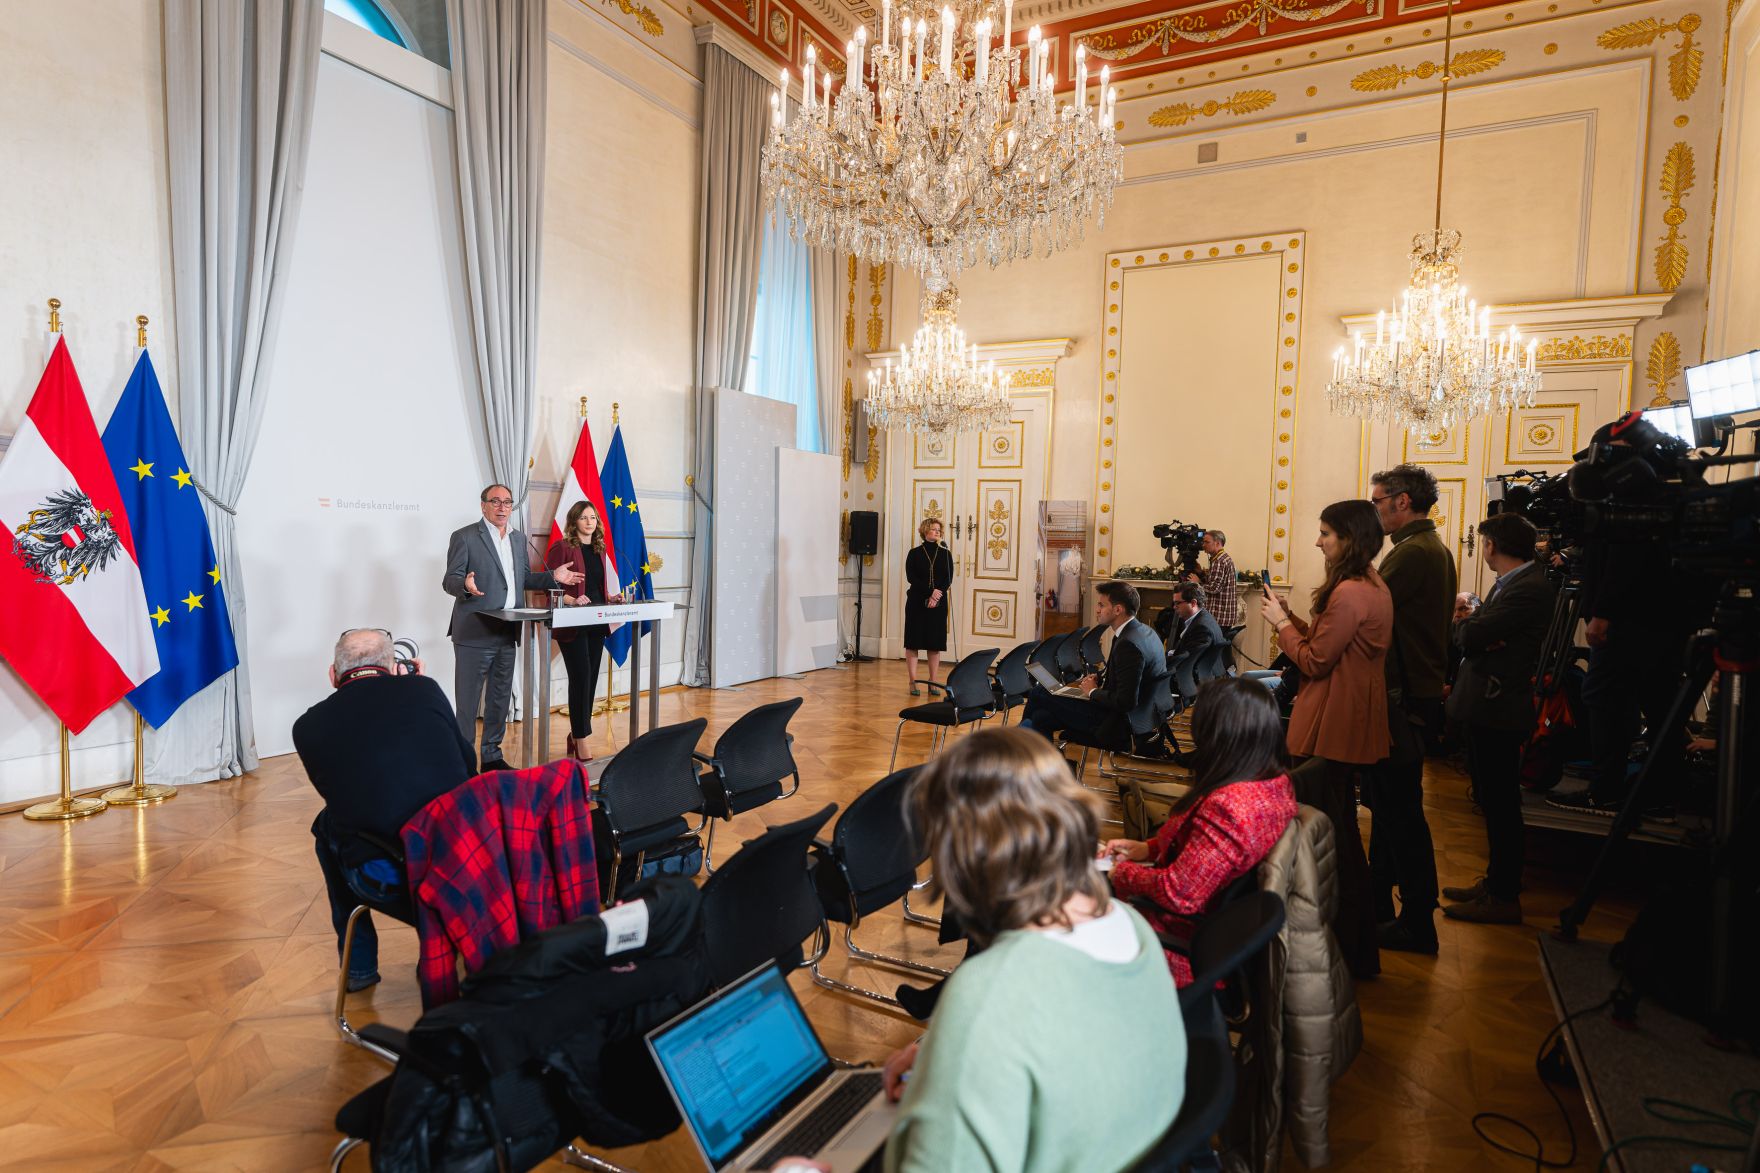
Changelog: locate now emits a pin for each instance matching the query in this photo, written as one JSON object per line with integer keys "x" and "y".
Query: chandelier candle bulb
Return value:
{"x": 1082, "y": 79}
{"x": 922, "y": 30}
{"x": 1007, "y": 26}
{"x": 807, "y": 82}
{"x": 1033, "y": 60}
{"x": 947, "y": 44}
{"x": 886, "y": 23}
{"x": 981, "y": 54}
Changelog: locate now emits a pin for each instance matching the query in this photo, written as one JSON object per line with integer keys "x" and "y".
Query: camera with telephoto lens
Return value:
{"x": 1187, "y": 541}
{"x": 405, "y": 652}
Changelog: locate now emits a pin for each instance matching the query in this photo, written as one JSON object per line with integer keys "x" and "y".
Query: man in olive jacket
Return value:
{"x": 1420, "y": 575}
{"x": 1493, "y": 697}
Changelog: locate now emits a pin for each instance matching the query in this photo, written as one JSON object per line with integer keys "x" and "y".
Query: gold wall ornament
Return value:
{"x": 1685, "y": 64}
{"x": 1195, "y": 29}
{"x": 843, "y": 537}
{"x": 849, "y": 424}
{"x": 849, "y": 317}
{"x": 1577, "y": 348}
{"x": 876, "y": 326}
{"x": 872, "y": 471}
{"x": 643, "y": 14}
{"x": 1663, "y": 368}
{"x": 1240, "y": 102}
{"x": 1044, "y": 377}
{"x": 1390, "y": 77}
{"x": 1678, "y": 177}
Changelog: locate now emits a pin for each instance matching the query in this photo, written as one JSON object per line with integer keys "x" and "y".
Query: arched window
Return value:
{"x": 370, "y": 16}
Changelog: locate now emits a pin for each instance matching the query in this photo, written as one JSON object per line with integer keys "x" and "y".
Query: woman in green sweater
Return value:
{"x": 1020, "y": 1067}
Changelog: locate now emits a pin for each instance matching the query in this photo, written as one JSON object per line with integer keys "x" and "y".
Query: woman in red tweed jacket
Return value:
{"x": 1236, "y": 811}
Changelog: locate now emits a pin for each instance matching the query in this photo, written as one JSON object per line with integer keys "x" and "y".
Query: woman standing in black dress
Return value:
{"x": 582, "y": 547}
{"x": 929, "y": 570}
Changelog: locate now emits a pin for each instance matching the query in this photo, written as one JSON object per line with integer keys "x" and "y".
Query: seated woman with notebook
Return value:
{"x": 1019, "y": 1068}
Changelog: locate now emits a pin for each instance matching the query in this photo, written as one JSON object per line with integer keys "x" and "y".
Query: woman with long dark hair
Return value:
{"x": 1339, "y": 723}
{"x": 582, "y": 547}
{"x": 1238, "y": 807}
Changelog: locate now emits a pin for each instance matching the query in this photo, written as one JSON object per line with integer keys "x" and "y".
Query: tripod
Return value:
{"x": 856, "y": 656}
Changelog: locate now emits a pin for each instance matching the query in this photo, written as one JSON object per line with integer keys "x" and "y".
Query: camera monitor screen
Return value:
{"x": 1729, "y": 386}
{"x": 1675, "y": 420}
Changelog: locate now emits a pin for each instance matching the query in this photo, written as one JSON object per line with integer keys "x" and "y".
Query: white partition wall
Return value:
{"x": 807, "y": 485}
{"x": 748, "y": 431}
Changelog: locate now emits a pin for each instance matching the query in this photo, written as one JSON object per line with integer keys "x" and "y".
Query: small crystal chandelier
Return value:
{"x": 1436, "y": 362}
{"x": 935, "y": 162}
{"x": 939, "y": 385}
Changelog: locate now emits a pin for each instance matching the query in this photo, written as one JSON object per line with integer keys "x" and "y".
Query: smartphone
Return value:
{"x": 1265, "y": 581}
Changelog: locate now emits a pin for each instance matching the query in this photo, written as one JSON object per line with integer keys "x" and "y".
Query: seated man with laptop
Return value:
{"x": 977, "y": 1092}
{"x": 1121, "y": 702}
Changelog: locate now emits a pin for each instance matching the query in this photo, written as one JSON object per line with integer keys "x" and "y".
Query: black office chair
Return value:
{"x": 969, "y": 700}
{"x": 1045, "y": 655}
{"x": 1071, "y": 665}
{"x": 1092, "y": 656}
{"x": 762, "y": 904}
{"x": 751, "y": 761}
{"x": 1009, "y": 680}
{"x": 402, "y": 910}
{"x": 1225, "y": 942}
{"x": 1211, "y": 664}
{"x": 870, "y": 863}
{"x": 1231, "y": 634}
{"x": 644, "y": 795}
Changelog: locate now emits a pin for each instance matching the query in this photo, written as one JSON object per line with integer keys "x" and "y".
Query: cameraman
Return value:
{"x": 1420, "y": 575}
{"x": 377, "y": 749}
{"x": 1218, "y": 580}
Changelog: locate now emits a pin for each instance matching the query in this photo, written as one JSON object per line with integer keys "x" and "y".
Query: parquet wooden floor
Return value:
{"x": 165, "y": 974}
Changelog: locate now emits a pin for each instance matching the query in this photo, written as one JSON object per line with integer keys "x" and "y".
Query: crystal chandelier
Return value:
{"x": 935, "y": 162}
{"x": 939, "y": 385}
{"x": 1436, "y": 361}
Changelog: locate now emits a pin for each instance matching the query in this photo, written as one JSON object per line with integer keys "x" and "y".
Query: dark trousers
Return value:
{"x": 474, "y": 670}
{"x": 348, "y": 887}
{"x": 1330, "y": 787}
{"x": 581, "y": 656}
{"x": 1494, "y": 762}
{"x": 1401, "y": 852}
{"x": 1635, "y": 674}
{"x": 1048, "y": 713}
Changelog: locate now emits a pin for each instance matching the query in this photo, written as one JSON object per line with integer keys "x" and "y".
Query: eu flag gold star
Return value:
{"x": 214, "y": 574}
{"x": 182, "y": 478}
{"x": 647, "y": 569}
{"x": 193, "y": 600}
{"x": 160, "y": 617}
{"x": 632, "y": 506}
{"x": 141, "y": 470}
{"x": 617, "y": 502}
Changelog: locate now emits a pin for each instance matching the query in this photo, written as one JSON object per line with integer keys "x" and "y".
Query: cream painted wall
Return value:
{"x": 1735, "y": 293}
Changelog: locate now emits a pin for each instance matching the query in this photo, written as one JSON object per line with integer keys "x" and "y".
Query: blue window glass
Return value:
{"x": 369, "y": 16}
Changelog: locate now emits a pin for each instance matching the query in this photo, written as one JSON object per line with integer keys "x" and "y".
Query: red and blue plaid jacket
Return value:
{"x": 504, "y": 855}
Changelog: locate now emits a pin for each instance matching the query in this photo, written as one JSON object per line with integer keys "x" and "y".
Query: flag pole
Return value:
{"x": 611, "y": 704}
{"x": 140, "y": 792}
{"x": 67, "y": 806}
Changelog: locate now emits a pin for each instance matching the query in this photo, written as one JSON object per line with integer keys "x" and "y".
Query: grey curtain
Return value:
{"x": 736, "y": 113}
{"x": 827, "y": 346}
{"x": 498, "y": 60}
{"x": 240, "y": 82}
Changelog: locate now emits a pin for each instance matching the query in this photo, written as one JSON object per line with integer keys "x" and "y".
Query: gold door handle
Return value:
{"x": 1468, "y": 539}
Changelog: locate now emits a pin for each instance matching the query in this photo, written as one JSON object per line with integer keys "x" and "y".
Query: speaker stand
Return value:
{"x": 856, "y": 656}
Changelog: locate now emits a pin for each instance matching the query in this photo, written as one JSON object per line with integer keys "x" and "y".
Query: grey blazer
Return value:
{"x": 469, "y": 551}
{"x": 1501, "y": 642}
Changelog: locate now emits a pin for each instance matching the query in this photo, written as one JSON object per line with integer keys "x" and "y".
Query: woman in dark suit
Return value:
{"x": 583, "y": 548}
{"x": 928, "y": 569}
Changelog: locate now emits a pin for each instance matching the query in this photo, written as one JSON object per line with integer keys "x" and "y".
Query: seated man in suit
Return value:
{"x": 1195, "y": 632}
{"x": 378, "y": 749}
{"x": 1124, "y": 703}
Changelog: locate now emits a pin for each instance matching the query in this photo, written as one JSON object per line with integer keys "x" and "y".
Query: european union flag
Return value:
{"x": 633, "y": 567}
{"x": 173, "y": 548}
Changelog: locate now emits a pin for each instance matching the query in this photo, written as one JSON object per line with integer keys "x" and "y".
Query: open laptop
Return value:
{"x": 754, "y": 1084}
{"x": 1049, "y": 680}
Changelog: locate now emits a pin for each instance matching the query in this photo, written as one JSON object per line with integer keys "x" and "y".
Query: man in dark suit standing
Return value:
{"x": 1493, "y": 696}
{"x": 487, "y": 569}
{"x": 1125, "y": 703}
{"x": 1195, "y": 631}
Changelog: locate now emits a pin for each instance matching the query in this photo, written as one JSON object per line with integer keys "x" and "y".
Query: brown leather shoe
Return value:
{"x": 1486, "y": 910}
{"x": 1471, "y": 892}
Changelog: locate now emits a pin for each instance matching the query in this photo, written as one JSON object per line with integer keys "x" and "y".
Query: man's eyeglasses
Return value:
{"x": 1384, "y": 497}
{"x": 503, "y": 501}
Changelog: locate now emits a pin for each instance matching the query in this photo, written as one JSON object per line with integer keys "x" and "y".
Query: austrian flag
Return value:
{"x": 75, "y": 623}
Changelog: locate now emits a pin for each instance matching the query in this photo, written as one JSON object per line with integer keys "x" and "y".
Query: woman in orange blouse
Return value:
{"x": 1340, "y": 718}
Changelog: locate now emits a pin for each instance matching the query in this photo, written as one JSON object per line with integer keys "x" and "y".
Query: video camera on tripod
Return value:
{"x": 1186, "y": 541}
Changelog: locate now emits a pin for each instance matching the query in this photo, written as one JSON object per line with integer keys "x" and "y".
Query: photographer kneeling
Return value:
{"x": 378, "y": 749}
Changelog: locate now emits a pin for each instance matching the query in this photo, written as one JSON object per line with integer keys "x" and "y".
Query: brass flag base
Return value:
{"x": 610, "y": 705}
{"x": 142, "y": 795}
{"x": 64, "y": 808}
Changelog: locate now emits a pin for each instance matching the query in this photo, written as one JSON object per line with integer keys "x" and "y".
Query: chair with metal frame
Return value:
{"x": 762, "y": 904}
{"x": 969, "y": 701}
{"x": 1229, "y": 635}
{"x": 1071, "y": 663}
{"x": 869, "y": 864}
{"x": 645, "y": 794}
{"x": 1108, "y": 754}
{"x": 751, "y": 760}
{"x": 1092, "y": 655}
{"x": 1045, "y": 655}
{"x": 403, "y": 912}
{"x": 1009, "y": 680}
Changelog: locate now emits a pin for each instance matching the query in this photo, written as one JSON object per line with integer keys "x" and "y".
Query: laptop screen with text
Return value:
{"x": 736, "y": 1061}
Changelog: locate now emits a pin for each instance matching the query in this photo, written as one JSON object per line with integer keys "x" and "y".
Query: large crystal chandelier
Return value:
{"x": 933, "y": 160}
{"x": 1436, "y": 361}
{"x": 939, "y": 385}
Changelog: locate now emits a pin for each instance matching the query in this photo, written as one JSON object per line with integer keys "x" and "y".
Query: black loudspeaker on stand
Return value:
{"x": 864, "y": 539}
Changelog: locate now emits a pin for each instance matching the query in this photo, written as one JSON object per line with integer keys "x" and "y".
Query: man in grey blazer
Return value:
{"x": 1493, "y": 696}
{"x": 488, "y": 569}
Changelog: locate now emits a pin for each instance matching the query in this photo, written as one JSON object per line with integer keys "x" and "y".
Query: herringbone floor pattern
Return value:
{"x": 165, "y": 974}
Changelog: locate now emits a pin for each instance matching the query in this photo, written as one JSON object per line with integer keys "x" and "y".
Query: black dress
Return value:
{"x": 927, "y": 568}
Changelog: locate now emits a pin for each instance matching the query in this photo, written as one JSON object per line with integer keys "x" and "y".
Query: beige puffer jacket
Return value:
{"x": 1304, "y": 1028}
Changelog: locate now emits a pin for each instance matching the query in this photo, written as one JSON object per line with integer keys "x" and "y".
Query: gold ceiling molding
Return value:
{"x": 1193, "y": 28}
{"x": 1240, "y": 102}
{"x": 1664, "y": 367}
{"x": 1577, "y": 348}
{"x": 1390, "y": 77}
{"x": 1685, "y": 64}
{"x": 1044, "y": 377}
{"x": 643, "y": 14}
{"x": 1678, "y": 177}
